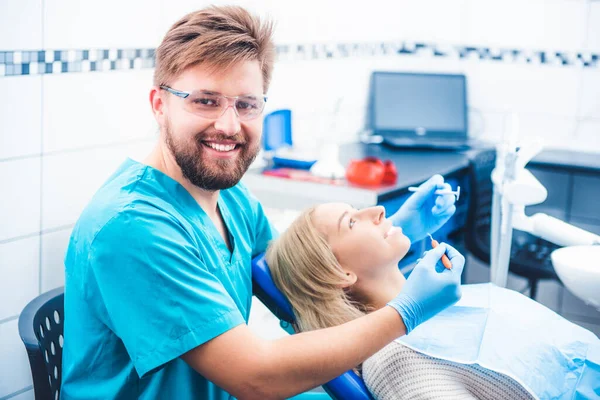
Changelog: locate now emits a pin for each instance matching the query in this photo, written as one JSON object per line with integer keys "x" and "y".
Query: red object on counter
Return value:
{"x": 391, "y": 173}
{"x": 371, "y": 171}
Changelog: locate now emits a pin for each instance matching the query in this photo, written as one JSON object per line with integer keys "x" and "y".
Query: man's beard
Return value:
{"x": 215, "y": 174}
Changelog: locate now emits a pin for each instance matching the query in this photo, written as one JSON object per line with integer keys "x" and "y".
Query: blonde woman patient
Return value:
{"x": 335, "y": 264}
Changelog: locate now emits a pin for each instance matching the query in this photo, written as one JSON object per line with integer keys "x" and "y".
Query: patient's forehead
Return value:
{"x": 326, "y": 216}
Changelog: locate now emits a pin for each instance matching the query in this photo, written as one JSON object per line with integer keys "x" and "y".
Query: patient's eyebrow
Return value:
{"x": 341, "y": 218}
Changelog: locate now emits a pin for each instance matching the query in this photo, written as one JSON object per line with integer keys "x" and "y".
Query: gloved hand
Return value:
{"x": 430, "y": 288}
{"x": 425, "y": 212}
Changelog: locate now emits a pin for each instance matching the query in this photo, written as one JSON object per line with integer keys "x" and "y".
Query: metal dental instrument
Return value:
{"x": 445, "y": 259}
{"x": 439, "y": 191}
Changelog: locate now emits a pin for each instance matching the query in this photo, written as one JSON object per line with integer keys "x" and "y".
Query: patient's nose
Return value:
{"x": 376, "y": 214}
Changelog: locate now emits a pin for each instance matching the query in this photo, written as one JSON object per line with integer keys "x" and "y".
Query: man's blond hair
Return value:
{"x": 216, "y": 37}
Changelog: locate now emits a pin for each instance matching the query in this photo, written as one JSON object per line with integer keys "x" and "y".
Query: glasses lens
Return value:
{"x": 249, "y": 107}
{"x": 212, "y": 105}
{"x": 208, "y": 105}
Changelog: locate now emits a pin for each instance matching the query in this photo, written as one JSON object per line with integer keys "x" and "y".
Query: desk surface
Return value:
{"x": 414, "y": 167}
{"x": 568, "y": 159}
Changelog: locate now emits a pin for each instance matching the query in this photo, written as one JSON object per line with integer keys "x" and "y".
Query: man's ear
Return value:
{"x": 157, "y": 104}
{"x": 350, "y": 279}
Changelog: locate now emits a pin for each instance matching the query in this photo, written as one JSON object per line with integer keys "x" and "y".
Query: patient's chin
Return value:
{"x": 403, "y": 245}
{"x": 404, "y": 252}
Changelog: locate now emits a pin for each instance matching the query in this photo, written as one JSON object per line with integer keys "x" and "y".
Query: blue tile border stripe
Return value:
{"x": 404, "y": 48}
{"x": 37, "y": 62}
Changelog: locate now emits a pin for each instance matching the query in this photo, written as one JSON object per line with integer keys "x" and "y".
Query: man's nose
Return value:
{"x": 228, "y": 122}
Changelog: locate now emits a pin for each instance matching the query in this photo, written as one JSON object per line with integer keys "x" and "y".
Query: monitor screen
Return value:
{"x": 418, "y": 104}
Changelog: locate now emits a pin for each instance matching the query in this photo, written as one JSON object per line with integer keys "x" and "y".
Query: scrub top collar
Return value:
{"x": 185, "y": 199}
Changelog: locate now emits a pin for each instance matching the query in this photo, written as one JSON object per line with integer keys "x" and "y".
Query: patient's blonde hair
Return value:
{"x": 305, "y": 269}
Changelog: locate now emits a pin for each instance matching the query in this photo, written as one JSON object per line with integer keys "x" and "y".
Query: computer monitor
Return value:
{"x": 418, "y": 105}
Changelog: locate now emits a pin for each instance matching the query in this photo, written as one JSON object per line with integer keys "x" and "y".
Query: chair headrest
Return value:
{"x": 348, "y": 386}
{"x": 267, "y": 292}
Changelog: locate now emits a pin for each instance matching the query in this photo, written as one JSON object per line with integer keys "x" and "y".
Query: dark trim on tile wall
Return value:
{"x": 38, "y": 62}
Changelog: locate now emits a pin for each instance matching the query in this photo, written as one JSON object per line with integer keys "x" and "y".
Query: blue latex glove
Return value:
{"x": 425, "y": 212}
{"x": 430, "y": 288}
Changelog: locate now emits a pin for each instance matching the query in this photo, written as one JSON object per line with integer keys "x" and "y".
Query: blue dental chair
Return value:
{"x": 347, "y": 386}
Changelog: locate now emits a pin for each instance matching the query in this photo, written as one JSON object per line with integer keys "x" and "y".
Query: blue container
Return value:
{"x": 277, "y": 130}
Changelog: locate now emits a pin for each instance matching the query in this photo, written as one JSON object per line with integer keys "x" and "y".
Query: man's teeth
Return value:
{"x": 221, "y": 147}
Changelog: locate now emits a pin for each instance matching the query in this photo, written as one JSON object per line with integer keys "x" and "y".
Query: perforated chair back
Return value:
{"x": 479, "y": 219}
{"x": 41, "y": 329}
{"x": 348, "y": 386}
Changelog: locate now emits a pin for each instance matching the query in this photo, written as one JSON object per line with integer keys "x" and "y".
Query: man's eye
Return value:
{"x": 244, "y": 105}
{"x": 205, "y": 101}
{"x": 351, "y": 223}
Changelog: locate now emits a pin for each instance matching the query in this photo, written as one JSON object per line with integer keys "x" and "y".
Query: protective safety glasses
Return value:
{"x": 212, "y": 105}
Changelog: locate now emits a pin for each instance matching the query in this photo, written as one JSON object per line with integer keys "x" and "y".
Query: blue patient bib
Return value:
{"x": 509, "y": 333}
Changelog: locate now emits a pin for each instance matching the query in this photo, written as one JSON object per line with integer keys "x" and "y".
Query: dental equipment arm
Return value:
{"x": 554, "y": 230}
{"x": 515, "y": 188}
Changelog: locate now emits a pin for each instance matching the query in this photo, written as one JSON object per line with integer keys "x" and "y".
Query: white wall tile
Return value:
{"x": 14, "y": 364}
{"x": 28, "y": 395}
{"x": 535, "y": 24}
{"x": 72, "y": 178}
{"x": 21, "y": 116}
{"x": 490, "y": 126}
{"x": 73, "y": 24}
{"x": 20, "y": 211}
{"x": 312, "y": 89}
{"x": 20, "y": 24}
{"x": 83, "y": 110}
{"x": 54, "y": 246}
{"x": 587, "y": 137}
{"x": 379, "y": 20}
{"x": 593, "y": 35}
{"x": 494, "y": 86}
{"x": 19, "y": 263}
{"x": 139, "y": 150}
{"x": 590, "y": 93}
{"x": 554, "y": 131}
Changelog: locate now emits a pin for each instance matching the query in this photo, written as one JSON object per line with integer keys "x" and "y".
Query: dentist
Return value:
{"x": 158, "y": 279}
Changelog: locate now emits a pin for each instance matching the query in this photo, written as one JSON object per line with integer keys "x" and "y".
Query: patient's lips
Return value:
{"x": 394, "y": 230}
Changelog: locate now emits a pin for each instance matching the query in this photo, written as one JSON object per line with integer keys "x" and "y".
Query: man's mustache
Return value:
{"x": 204, "y": 137}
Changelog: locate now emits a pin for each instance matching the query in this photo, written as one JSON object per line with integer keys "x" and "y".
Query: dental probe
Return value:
{"x": 439, "y": 191}
{"x": 445, "y": 259}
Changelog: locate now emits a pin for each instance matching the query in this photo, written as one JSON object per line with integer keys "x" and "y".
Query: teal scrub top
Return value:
{"x": 148, "y": 278}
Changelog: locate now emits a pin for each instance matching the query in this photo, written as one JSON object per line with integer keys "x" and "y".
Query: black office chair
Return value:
{"x": 41, "y": 329}
{"x": 530, "y": 256}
